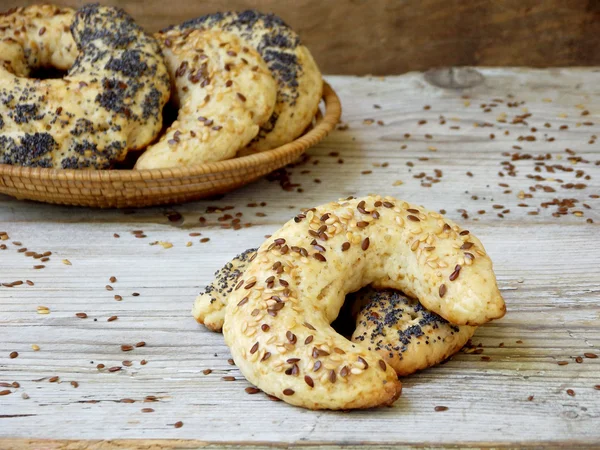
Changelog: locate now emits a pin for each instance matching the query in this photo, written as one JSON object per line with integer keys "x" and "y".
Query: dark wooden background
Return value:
{"x": 389, "y": 37}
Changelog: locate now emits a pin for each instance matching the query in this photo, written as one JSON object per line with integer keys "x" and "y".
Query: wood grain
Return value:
{"x": 546, "y": 267}
{"x": 392, "y": 37}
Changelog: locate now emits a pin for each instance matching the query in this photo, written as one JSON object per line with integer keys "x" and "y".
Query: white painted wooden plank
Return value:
{"x": 547, "y": 268}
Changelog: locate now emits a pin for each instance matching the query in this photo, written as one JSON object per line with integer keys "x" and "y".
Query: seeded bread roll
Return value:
{"x": 406, "y": 335}
{"x": 109, "y": 102}
{"x": 277, "y": 317}
{"x": 299, "y": 82}
{"x": 224, "y": 92}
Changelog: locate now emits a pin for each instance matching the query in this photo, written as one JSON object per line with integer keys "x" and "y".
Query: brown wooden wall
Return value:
{"x": 388, "y": 37}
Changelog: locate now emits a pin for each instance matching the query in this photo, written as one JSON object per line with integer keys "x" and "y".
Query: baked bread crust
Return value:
{"x": 406, "y": 335}
{"x": 224, "y": 92}
{"x": 299, "y": 81}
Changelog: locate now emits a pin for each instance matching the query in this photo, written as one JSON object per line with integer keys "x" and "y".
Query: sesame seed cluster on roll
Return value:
{"x": 431, "y": 284}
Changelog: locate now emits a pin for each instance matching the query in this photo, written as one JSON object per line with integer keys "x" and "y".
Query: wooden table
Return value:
{"x": 494, "y": 157}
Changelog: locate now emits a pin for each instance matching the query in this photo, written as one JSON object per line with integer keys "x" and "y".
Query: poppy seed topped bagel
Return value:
{"x": 299, "y": 82}
{"x": 109, "y": 102}
{"x": 403, "y": 332}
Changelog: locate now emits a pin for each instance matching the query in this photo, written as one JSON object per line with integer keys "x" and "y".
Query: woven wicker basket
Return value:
{"x": 132, "y": 188}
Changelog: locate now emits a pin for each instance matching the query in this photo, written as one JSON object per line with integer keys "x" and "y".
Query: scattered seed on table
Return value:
{"x": 252, "y": 390}
{"x": 127, "y": 400}
{"x": 82, "y": 315}
{"x": 113, "y": 279}
{"x": 143, "y": 362}
{"x": 140, "y": 344}
{"x": 207, "y": 371}
{"x": 571, "y": 392}
{"x": 108, "y": 287}
{"x": 231, "y": 362}
{"x": 53, "y": 379}
{"x": 35, "y": 347}
{"x": 127, "y": 363}
{"x": 178, "y": 424}
{"x": 13, "y": 355}
{"x": 562, "y": 363}
{"x": 112, "y": 319}
{"x": 579, "y": 359}
{"x": 203, "y": 240}
{"x": 24, "y": 396}
{"x": 126, "y": 348}
{"x": 75, "y": 384}
{"x": 136, "y": 294}
{"x": 5, "y": 392}
{"x": 118, "y": 298}
{"x": 114, "y": 369}
{"x": 147, "y": 410}
{"x": 441, "y": 408}
{"x": 590, "y": 355}
{"x": 228, "y": 378}
{"x": 530, "y": 398}
{"x": 100, "y": 366}
{"x": 29, "y": 282}
{"x": 41, "y": 266}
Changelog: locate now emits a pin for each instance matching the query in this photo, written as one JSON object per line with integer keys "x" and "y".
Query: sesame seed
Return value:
{"x": 288, "y": 392}
{"x": 382, "y": 365}
{"x": 82, "y": 315}
{"x": 140, "y": 344}
{"x": 441, "y": 408}
{"x": 590, "y": 355}
{"x": 112, "y": 319}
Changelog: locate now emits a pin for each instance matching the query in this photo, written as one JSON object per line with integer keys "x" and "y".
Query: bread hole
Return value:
{"x": 47, "y": 73}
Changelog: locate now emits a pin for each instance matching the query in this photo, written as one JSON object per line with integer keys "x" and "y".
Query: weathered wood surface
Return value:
{"x": 547, "y": 269}
{"x": 391, "y": 37}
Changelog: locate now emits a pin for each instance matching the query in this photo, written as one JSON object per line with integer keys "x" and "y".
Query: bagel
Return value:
{"x": 277, "y": 317}
{"x": 224, "y": 92}
{"x": 406, "y": 335}
{"x": 299, "y": 82}
{"x": 109, "y": 102}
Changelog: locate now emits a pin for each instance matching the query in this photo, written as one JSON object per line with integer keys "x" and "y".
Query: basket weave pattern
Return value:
{"x": 133, "y": 188}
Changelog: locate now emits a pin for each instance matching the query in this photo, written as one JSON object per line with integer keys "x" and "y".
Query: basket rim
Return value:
{"x": 333, "y": 111}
